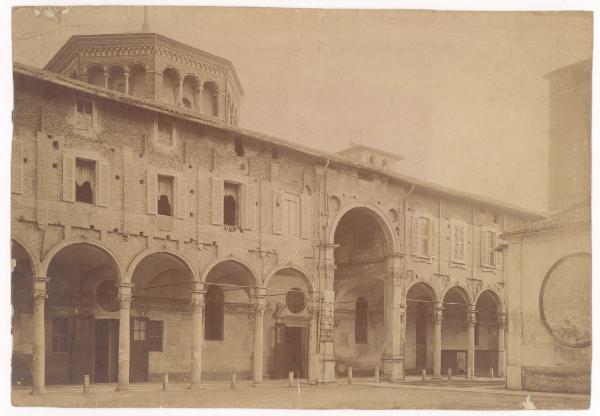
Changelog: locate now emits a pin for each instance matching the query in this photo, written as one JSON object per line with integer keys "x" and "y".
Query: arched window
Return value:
{"x": 239, "y": 147}
{"x": 137, "y": 81}
{"x": 295, "y": 300}
{"x": 360, "y": 321}
{"x": 116, "y": 79}
{"x": 213, "y": 321}
{"x": 169, "y": 86}
{"x": 95, "y": 75}
{"x": 209, "y": 99}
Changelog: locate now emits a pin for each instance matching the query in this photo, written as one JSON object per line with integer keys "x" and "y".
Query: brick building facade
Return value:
{"x": 153, "y": 235}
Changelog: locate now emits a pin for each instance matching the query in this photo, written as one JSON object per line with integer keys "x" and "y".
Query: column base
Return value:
{"x": 195, "y": 386}
{"x": 393, "y": 368}
{"x": 39, "y": 392}
{"x": 123, "y": 388}
{"x": 257, "y": 384}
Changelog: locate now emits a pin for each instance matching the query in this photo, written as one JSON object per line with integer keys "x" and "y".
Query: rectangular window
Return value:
{"x": 231, "y": 204}
{"x": 60, "y": 331}
{"x": 165, "y": 195}
{"x": 155, "y": 335}
{"x": 139, "y": 330}
{"x": 488, "y": 246}
{"x": 164, "y": 132}
{"x": 458, "y": 241}
{"x": 291, "y": 215}
{"x": 84, "y": 109}
{"x": 85, "y": 180}
{"x": 424, "y": 237}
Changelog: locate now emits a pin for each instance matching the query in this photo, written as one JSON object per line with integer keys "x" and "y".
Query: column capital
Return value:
{"x": 125, "y": 295}
{"x": 40, "y": 290}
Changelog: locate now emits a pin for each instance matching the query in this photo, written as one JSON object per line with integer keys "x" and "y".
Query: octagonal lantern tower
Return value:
{"x": 154, "y": 67}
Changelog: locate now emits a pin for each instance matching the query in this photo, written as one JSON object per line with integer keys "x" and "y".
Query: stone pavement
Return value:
{"x": 361, "y": 394}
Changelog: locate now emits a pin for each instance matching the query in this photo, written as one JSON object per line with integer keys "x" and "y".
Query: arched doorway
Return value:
{"x": 161, "y": 318}
{"x": 229, "y": 332}
{"x": 82, "y": 315}
{"x": 22, "y": 305}
{"x": 487, "y": 334}
{"x": 418, "y": 346}
{"x": 288, "y": 323}
{"x": 364, "y": 241}
{"x": 455, "y": 350}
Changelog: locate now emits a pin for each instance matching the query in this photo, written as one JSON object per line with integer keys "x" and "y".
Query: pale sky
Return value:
{"x": 461, "y": 95}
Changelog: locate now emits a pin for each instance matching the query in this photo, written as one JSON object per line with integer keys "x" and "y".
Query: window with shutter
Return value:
{"x": 68, "y": 181}
{"x": 290, "y": 218}
{"x": 434, "y": 229}
{"x": 415, "y": 236}
{"x": 103, "y": 183}
{"x": 180, "y": 204}
{"x": 458, "y": 241}
{"x": 84, "y": 113}
{"x": 305, "y": 222}
{"x": 217, "y": 200}
{"x": 231, "y": 204}
{"x": 424, "y": 233}
{"x": 165, "y": 200}
{"x": 17, "y": 167}
{"x": 250, "y": 206}
{"x": 151, "y": 191}
{"x": 488, "y": 248}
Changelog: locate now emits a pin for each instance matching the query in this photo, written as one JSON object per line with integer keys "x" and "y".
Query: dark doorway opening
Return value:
{"x": 106, "y": 357}
{"x": 138, "y": 368}
{"x": 290, "y": 352}
{"x": 455, "y": 360}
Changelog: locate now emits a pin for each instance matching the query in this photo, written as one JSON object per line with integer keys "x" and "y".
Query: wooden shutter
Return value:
{"x": 454, "y": 241}
{"x": 305, "y": 217}
{"x": 461, "y": 241}
{"x": 434, "y": 237}
{"x": 415, "y": 235}
{"x": 216, "y": 200}
{"x": 151, "y": 191}
{"x": 499, "y": 254}
{"x": 277, "y": 211}
{"x": 68, "y": 179}
{"x": 103, "y": 183}
{"x": 274, "y": 171}
{"x": 483, "y": 243}
{"x": 250, "y": 206}
{"x": 154, "y": 335}
{"x": 16, "y": 173}
{"x": 180, "y": 205}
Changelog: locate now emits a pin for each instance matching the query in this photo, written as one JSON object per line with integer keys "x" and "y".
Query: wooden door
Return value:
{"x": 138, "y": 368}
{"x": 295, "y": 350}
{"x": 106, "y": 356}
{"x": 82, "y": 357}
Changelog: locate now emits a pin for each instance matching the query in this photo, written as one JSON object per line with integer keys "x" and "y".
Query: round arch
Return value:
{"x": 307, "y": 277}
{"x": 494, "y": 295}
{"x": 428, "y": 288}
{"x": 210, "y": 266}
{"x": 35, "y": 264}
{"x": 148, "y": 252}
{"x": 461, "y": 290}
{"x": 67, "y": 243}
{"x": 378, "y": 216}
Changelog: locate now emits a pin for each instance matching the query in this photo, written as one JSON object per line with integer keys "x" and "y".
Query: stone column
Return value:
{"x": 437, "y": 339}
{"x": 124, "y": 335}
{"x": 471, "y": 322}
{"x": 200, "y": 89}
{"x": 179, "y": 98}
{"x": 126, "y": 73}
{"x": 259, "y": 315}
{"x": 105, "y": 74}
{"x": 313, "y": 358}
{"x": 501, "y": 329}
{"x": 327, "y": 323}
{"x": 39, "y": 335}
{"x": 394, "y": 314}
{"x": 197, "y": 332}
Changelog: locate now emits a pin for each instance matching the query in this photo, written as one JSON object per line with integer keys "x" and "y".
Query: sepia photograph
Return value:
{"x": 298, "y": 208}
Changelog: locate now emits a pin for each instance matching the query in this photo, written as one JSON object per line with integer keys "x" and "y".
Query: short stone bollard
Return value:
{"x": 349, "y": 375}
{"x": 376, "y": 374}
{"x": 449, "y": 374}
{"x": 86, "y": 383}
{"x": 424, "y": 374}
{"x": 291, "y": 378}
{"x": 492, "y": 373}
{"x": 233, "y": 380}
{"x": 165, "y": 381}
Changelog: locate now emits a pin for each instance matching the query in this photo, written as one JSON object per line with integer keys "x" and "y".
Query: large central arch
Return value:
{"x": 364, "y": 240}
